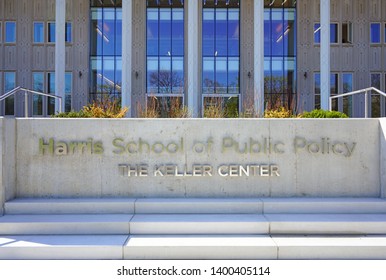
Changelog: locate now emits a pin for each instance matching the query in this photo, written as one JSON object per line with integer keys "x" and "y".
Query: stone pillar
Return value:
{"x": 2, "y": 190}
{"x": 382, "y": 166}
{"x": 324, "y": 54}
{"x": 60, "y": 52}
{"x": 258, "y": 27}
{"x": 192, "y": 69}
{"x": 127, "y": 30}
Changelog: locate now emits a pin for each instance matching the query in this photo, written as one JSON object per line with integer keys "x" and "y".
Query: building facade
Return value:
{"x": 243, "y": 55}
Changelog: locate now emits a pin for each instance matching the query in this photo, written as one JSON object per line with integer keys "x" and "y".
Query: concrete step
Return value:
{"x": 70, "y": 206}
{"x": 324, "y": 206}
{"x": 331, "y": 247}
{"x": 293, "y": 224}
{"x": 197, "y": 206}
{"x": 347, "y": 224}
{"x": 167, "y": 247}
{"x": 199, "y": 224}
{"x": 200, "y": 247}
{"x": 256, "y": 247}
{"x": 65, "y": 224}
{"x": 62, "y": 247}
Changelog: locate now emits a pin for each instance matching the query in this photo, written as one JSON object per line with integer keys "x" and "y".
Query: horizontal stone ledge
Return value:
{"x": 196, "y": 206}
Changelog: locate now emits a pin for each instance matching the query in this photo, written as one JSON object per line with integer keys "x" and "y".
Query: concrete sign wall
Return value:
{"x": 195, "y": 158}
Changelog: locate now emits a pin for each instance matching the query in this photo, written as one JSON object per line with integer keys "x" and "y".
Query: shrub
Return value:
{"x": 72, "y": 114}
{"x": 214, "y": 108}
{"x": 319, "y": 113}
{"x": 167, "y": 107}
{"x": 98, "y": 109}
{"x": 280, "y": 112}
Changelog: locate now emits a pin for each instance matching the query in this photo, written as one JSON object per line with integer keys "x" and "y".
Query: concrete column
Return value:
{"x": 192, "y": 69}
{"x": 2, "y": 190}
{"x": 258, "y": 22}
{"x": 127, "y": 30}
{"x": 60, "y": 52}
{"x": 382, "y": 166}
{"x": 325, "y": 54}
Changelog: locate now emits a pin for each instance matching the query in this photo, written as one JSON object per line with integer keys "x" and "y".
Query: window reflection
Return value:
{"x": 221, "y": 107}
{"x": 375, "y": 33}
{"x": 68, "y": 91}
{"x": 375, "y": 97}
{"x": 106, "y": 49}
{"x": 38, "y": 32}
{"x": 334, "y": 87}
{"x": 333, "y": 33}
{"x": 347, "y": 79}
{"x": 51, "y": 90}
{"x": 280, "y": 53}
{"x": 38, "y": 85}
{"x": 10, "y": 32}
{"x": 165, "y": 47}
{"x": 220, "y": 47}
{"x": 9, "y": 84}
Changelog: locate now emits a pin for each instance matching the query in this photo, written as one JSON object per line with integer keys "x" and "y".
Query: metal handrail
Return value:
{"x": 32, "y": 92}
{"x": 365, "y": 91}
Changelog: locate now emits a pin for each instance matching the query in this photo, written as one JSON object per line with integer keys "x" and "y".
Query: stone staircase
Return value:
{"x": 267, "y": 228}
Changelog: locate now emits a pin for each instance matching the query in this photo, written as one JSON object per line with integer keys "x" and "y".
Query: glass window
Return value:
{"x": 10, "y": 32}
{"x": 333, "y": 33}
{"x": 68, "y": 91}
{"x": 108, "y": 31}
{"x": 38, "y": 32}
{"x": 334, "y": 84}
{"x": 317, "y": 36}
{"x": 221, "y": 47}
{"x": 38, "y": 85}
{"x": 9, "y": 84}
{"x": 279, "y": 3}
{"x": 165, "y": 47}
{"x": 375, "y": 33}
{"x": 317, "y": 90}
{"x": 347, "y": 33}
{"x": 51, "y": 32}
{"x": 118, "y": 32}
{"x": 334, "y": 87}
{"x": 347, "y": 81}
{"x": 267, "y": 32}
{"x": 68, "y": 36}
{"x": 96, "y": 31}
{"x": 1, "y": 32}
{"x": 279, "y": 55}
{"x": 277, "y": 32}
{"x": 221, "y": 107}
{"x": 51, "y": 90}
{"x": 105, "y": 50}
{"x": 384, "y": 34}
{"x": 165, "y": 106}
{"x": 375, "y": 97}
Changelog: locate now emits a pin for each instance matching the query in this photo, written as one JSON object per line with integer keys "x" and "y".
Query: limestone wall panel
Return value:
{"x": 10, "y": 57}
